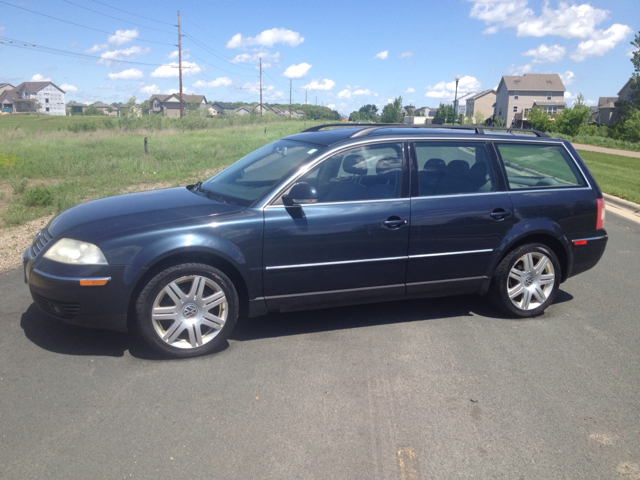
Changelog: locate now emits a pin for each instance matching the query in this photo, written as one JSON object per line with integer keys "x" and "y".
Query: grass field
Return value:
{"x": 44, "y": 172}
{"x": 616, "y": 175}
{"x": 45, "y": 167}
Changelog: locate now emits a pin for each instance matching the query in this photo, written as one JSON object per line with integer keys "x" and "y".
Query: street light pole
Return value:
{"x": 455, "y": 102}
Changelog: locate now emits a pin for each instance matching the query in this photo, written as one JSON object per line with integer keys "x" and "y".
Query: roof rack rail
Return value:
{"x": 367, "y": 128}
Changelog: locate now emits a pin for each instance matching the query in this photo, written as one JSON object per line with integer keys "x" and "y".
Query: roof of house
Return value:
{"x": 101, "y": 105}
{"x": 8, "y": 96}
{"x": 5, "y": 84}
{"x": 550, "y": 104}
{"x": 35, "y": 86}
{"x": 624, "y": 86}
{"x": 466, "y": 96}
{"x": 534, "y": 81}
{"x": 224, "y": 105}
{"x": 159, "y": 96}
{"x": 482, "y": 94}
{"x": 605, "y": 101}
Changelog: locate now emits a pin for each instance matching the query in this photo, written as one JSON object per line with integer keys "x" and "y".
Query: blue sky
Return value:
{"x": 341, "y": 53}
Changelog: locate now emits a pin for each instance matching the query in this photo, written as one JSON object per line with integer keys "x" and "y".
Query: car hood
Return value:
{"x": 114, "y": 215}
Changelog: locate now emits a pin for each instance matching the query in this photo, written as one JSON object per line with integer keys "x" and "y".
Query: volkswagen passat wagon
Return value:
{"x": 330, "y": 216}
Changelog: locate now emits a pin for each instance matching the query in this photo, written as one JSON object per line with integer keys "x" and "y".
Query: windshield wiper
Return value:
{"x": 198, "y": 188}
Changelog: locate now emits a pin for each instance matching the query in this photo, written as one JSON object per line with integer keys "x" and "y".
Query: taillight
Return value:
{"x": 601, "y": 211}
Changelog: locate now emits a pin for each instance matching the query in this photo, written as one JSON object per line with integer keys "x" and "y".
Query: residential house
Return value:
{"x": 169, "y": 105}
{"x": 482, "y": 102}
{"x": 255, "y": 109}
{"x": 462, "y": 102}
{"x": 104, "y": 108}
{"x": 223, "y": 108}
{"x": 609, "y": 107}
{"x": 33, "y": 97}
{"x": 6, "y": 86}
{"x": 77, "y": 108}
{"x": 517, "y": 95}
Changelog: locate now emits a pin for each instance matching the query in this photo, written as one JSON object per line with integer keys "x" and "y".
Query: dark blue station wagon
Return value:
{"x": 331, "y": 216}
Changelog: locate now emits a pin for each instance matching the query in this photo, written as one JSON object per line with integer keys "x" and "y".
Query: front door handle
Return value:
{"x": 394, "y": 222}
{"x": 500, "y": 214}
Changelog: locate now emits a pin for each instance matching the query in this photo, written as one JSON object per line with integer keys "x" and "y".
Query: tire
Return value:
{"x": 187, "y": 310}
{"x": 526, "y": 280}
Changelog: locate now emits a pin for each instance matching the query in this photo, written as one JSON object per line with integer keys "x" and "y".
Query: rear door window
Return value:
{"x": 450, "y": 168}
{"x": 539, "y": 166}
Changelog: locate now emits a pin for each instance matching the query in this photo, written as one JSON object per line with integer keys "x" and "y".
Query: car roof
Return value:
{"x": 335, "y": 133}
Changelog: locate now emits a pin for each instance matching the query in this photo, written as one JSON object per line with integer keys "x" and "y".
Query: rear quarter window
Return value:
{"x": 539, "y": 166}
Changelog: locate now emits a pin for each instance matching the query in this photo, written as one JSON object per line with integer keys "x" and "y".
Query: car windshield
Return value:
{"x": 247, "y": 179}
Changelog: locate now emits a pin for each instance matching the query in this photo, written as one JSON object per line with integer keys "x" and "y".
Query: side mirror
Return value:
{"x": 301, "y": 194}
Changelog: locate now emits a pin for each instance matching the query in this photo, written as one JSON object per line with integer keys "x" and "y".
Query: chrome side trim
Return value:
{"x": 486, "y": 250}
{"x": 333, "y": 292}
{"x": 539, "y": 190}
{"x": 448, "y": 280}
{"x": 590, "y": 239}
{"x": 400, "y": 199}
{"x": 69, "y": 279}
{"x": 327, "y": 264}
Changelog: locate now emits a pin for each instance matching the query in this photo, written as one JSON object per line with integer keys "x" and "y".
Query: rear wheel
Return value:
{"x": 527, "y": 280}
{"x": 187, "y": 310}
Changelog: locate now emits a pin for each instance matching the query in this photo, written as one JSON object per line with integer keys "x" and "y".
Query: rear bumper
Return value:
{"x": 586, "y": 251}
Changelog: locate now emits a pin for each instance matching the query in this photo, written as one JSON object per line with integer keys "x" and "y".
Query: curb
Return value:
{"x": 620, "y": 203}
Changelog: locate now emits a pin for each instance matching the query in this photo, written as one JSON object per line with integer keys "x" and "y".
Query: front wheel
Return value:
{"x": 187, "y": 310}
{"x": 526, "y": 280}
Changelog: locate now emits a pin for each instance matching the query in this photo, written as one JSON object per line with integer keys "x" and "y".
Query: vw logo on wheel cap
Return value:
{"x": 528, "y": 280}
{"x": 190, "y": 310}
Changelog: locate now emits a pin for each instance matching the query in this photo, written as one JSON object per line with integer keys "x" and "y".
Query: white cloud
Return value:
{"x": 331, "y": 106}
{"x": 113, "y": 56}
{"x": 322, "y": 84}
{"x": 296, "y": 71}
{"x": 107, "y": 87}
{"x": 174, "y": 54}
{"x": 218, "y": 82}
{"x": 169, "y": 70}
{"x": 544, "y": 54}
{"x": 382, "y": 55}
{"x": 268, "y": 38}
{"x": 446, "y": 90}
{"x": 121, "y": 37}
{"x": 601, "y": 42}
{"x": 406, "y": 54}
{"x": 73, "y": 44}
{"x": 150, "y": 89}
{"x": 40, "y": 78}
{"x": 255, "y": 57}
{"x": 569, "y": 20}
{"x": 269, "y": 92}
{"x": 520, "y": 70}
{"x": 67, "y": 87}
{"x": 129, "y": 74}
{"x": 590, "y": 103}
{"x": 410, "y": 90}
{"x": 567, "y": 77}
{"x": 364, "y": 91}
{"x": 346, "y": 93}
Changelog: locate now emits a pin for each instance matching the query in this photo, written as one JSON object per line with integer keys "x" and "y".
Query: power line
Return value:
{"x": 213, "y": 66}
{"x": 116, "y": 18}
{"x": 84, "y": 26}
{"x": 134, "y": 14}
{"x": 210, "y": 50}
{"x": 67, "y": 53}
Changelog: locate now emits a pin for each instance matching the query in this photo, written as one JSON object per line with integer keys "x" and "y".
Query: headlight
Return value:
{"x": 67, "y": 250}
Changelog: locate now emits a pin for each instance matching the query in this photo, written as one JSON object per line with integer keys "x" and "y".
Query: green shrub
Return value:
{"x": 18, "y": 185}
{"x": 38, "y": 197}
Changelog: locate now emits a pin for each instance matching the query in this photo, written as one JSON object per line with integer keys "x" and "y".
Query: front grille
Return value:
{"x": 66, "y": 310}
{"x": 41, "y": 241}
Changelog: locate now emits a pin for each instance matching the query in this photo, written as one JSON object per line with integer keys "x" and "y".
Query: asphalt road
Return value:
{"x": 442, "y": 388}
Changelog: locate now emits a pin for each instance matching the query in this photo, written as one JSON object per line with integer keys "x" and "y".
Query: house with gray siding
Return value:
{"x": 516, "y": 96}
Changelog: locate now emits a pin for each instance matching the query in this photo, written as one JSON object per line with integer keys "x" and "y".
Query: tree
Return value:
{"x": 145, "y": 106}
{"x": 571, "y": 120}
{"x": 392, "y": 112}
{"x": 443, "y": 115}
{"x": 129, "y": 110}
{"x": 92, "y": 111}
{"x": 634, "y": 97}
{"x": 410, "y": 109}
{"x": 539, "y": 120}
{"x": 368, "y": 113}
{"x": 478, "y": 118}
{"x": 354, "y": 117}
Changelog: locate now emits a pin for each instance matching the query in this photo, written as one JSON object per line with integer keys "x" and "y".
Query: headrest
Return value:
{"x": 434, "y": 165}
{"x": 388, "y": 166}
{"x": 457, "y": 167}
{"x": 355, "y": 165}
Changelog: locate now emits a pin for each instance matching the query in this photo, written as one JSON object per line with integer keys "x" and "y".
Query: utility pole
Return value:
{"x": 180, "y": 65}
{"x": 290, "y": 97}
{"x": 260, "y": 86}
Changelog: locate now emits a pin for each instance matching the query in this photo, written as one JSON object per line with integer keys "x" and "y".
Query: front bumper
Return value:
{"x": 57, "y": 290}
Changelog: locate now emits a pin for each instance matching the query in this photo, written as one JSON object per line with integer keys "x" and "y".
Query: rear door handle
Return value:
{"x": 394, "y": 222}
{"x": 500, "y": 214}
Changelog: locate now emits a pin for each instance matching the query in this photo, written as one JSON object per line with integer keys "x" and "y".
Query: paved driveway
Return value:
{"x": 442, "y": 388}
